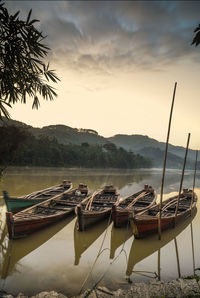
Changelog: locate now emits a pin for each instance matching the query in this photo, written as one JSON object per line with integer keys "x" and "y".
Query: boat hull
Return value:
{"x": 15, "y": 205}
{"x": 143, "y": 226}
{"x": 20, "y": 229}
{"x": 120, "y": 216}
{"x": 87, "y": 218}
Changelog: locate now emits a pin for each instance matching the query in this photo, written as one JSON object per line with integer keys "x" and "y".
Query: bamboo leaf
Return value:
{"x": 36, "y": 103}
{"x": 29, "y": 15}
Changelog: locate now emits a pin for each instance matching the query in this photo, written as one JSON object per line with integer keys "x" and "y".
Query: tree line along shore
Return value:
{"x": 19, "y": 147}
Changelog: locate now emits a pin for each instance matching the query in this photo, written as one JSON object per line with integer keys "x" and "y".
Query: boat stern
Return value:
{"x": 133, "y": 224}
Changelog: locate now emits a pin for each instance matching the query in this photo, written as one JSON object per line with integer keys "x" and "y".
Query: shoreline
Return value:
{"x": 187, "y": 287}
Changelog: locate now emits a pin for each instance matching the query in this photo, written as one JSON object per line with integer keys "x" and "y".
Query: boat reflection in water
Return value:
{"x": 15, "y": 250}
{"x": 83, "y": 240}
{"x": 142, "y": 248}
{"x": 3, "y": 234}
{"x": 119, "y": 237}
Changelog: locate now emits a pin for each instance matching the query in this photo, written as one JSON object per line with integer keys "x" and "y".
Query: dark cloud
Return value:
{"x": 102, "y": 35}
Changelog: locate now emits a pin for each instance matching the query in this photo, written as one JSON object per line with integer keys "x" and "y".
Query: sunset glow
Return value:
{"x": 118, "y": 62}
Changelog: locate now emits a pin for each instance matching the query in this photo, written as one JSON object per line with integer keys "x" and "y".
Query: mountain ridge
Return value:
{"x": 139, "y": 144}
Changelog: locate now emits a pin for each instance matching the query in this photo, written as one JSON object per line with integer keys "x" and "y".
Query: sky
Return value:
{"x": 118, "y": 62}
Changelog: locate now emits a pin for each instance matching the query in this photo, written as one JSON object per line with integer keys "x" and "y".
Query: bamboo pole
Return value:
{"x": 182, "y": 176}
{"x": 194, "y": 180}
{"x": 164, "y": 164}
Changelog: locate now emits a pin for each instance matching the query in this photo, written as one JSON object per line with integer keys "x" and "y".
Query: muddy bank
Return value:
{"x": 175, "y": 288}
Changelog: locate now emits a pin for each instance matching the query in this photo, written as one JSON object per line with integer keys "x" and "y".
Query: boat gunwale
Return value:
{"x": 45, "y": 202}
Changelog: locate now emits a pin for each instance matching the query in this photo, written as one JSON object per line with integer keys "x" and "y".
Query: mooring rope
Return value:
{"x": 99, "y": 253}
{"x": 111, "y": 263}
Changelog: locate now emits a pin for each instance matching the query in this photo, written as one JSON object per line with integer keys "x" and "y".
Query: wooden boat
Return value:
{"x": 16, "y": 204}
{"x": 36, "y": 217}
{"x": 143, "y": 248}
{"x": 137, "y": 202}
{"x": 145, "y": 223}
{"x": 97, "y": 207}
{"x": 14, "y": 251}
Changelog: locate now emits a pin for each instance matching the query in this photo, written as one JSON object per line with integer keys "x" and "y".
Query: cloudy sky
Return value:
{"x": 118, "y": 62}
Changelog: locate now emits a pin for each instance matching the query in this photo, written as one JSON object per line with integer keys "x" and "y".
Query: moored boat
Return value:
{"x": 137, "y": 202}
{"x": 145, "y": 223}
{"x": 36, "y": 217}
{"x": 143, "y": 248}
{"x": 97, "y": 207}
{"x": 16, "y": 204}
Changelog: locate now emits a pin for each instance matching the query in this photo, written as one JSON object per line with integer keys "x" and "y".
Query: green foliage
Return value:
{"x": 22, "y": 70}
{"x": 11, "y": 139}
{"x": 196, "y": 39}
{"x": 45, "y": 151}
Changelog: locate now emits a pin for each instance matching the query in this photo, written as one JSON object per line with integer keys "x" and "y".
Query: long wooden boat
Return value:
{"x": 143, "y": 248}
{"x": 36, "y": 217}
{"x": 16, "y": 204}
{"x": 97, "y": 207}
{"x": 137, "y": 202}
{"x": 13, "y": 251}
{"x": 145, "y": 223}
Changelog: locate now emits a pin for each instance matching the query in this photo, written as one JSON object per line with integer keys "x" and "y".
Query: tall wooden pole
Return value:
{"x": 182, "y": 176}
{"x": 194, "y": 180}
{"x": 164, "y": 164}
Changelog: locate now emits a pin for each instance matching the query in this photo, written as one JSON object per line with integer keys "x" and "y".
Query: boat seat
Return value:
{"x": 142, "y": 203}
{"x": 183, "y": 208}
{"x": 53, "y": 208}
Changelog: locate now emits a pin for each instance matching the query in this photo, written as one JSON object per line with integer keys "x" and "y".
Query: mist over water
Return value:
{"x": 59, "y": 257}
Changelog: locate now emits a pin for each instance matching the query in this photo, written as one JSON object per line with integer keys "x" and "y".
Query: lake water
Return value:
{"x": 61, "y": 258}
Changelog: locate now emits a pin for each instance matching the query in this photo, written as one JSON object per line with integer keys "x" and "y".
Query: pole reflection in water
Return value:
{"x": 159, "y": 264}
{"x": 192, "y": 241}
{"x": 142, "y": 248}
{"x": 177, "y": 257}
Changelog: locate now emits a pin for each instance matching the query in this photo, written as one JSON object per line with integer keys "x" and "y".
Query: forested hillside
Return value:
{"x": 138, "y": 144}
{"x": 45, "y": 151}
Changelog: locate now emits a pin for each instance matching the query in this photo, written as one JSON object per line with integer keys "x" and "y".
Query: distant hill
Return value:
{"x": 157, "y": 157}
{"x": 137, "y": 143}
{"x": 64, "y": 134}
{"x": 140, "y": 144}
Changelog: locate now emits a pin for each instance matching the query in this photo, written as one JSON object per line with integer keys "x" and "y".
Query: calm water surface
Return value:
{"x": 61, "y": 258}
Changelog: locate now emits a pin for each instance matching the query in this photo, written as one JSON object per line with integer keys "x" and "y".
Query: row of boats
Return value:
{"x": 37, "y": 210}
{"x": 138, "y": 250}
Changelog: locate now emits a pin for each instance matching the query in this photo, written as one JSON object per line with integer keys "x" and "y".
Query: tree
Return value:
{"x": 23, "y": 73}
{"x": 196, "y": 39}
{"x": 11, "y": 139}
